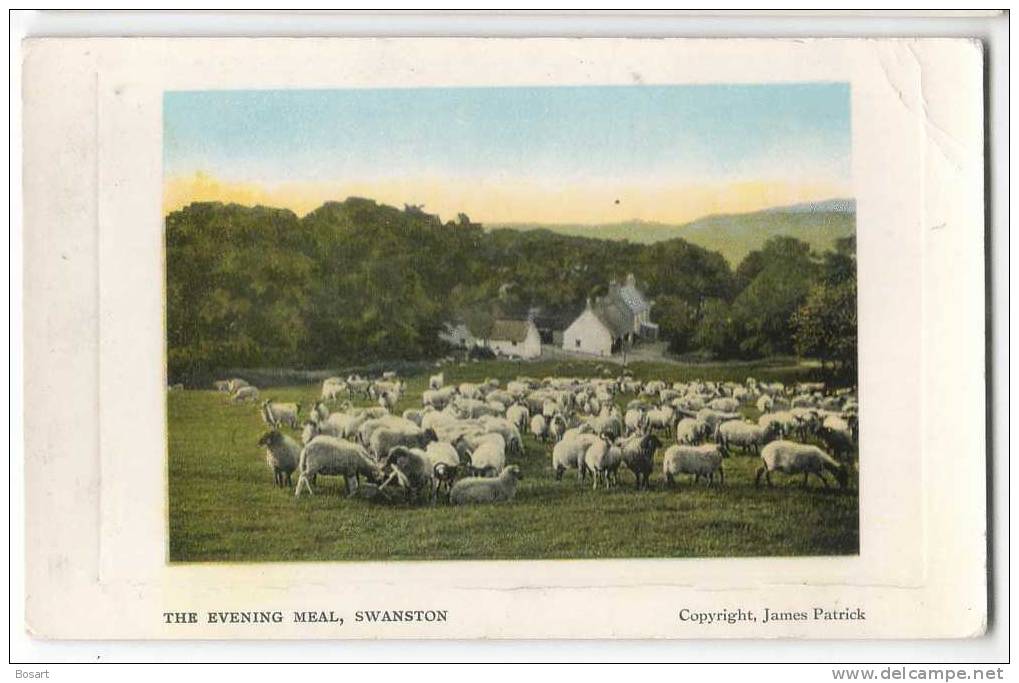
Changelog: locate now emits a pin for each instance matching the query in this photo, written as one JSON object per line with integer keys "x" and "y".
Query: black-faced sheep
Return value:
{"x": 639, "y": 455}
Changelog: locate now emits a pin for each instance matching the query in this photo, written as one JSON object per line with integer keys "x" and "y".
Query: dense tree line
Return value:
{"x": 355, "y": 281}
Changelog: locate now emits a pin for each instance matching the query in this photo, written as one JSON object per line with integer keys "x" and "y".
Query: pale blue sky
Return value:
{"x": 718, "y": 130}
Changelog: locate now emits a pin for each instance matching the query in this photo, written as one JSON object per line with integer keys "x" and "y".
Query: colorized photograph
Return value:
{"x": 583, "y": 322}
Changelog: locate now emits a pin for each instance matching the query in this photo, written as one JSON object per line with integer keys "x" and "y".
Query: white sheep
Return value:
{"x": 245, "y": 393}
{"x": 436, "y": 381}
{"x": 569, "y": 452}
{"x": 331, "y": 456}
{"x": 222, "y": 385}
{"x": 276, "y": 414}
{"x": 282, "y": 455}
{"x": 765, "y": 403}
{"x": 690, "y": 430}
{"x": 699, "y": 461}
{"x": 794, "y": 458}
{"x": 539, "y": 428}
{"x": 745, "y": 435}
{"x": 518, "y": 415}
{"x": 724, "y": 405}
{"x": 487, "y": 490}
{"x": 333, "y": 388}
{"x": 603, "y": 459}
{"x": 489, "y": 456}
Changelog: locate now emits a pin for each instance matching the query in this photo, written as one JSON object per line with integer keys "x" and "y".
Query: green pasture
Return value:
{"x": 223, "y": 507}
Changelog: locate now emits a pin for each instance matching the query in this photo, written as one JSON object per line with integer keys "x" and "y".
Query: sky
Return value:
{"x": 587, "y": 154}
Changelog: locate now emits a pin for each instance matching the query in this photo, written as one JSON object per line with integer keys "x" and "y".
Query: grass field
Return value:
{"x": 223, "y": 507}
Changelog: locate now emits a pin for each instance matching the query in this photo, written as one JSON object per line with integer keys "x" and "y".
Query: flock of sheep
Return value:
{"x": 462, "y": 440}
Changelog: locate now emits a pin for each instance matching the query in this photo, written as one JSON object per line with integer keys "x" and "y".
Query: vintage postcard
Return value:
{"x": 507, "y": 338}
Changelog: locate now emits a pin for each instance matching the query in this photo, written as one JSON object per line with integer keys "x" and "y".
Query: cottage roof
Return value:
{"x": 509, "y": 330}
{"x": 632, "y": 298}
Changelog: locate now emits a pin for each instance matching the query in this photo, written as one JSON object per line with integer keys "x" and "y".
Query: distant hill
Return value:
{"x": 734, "y": 235}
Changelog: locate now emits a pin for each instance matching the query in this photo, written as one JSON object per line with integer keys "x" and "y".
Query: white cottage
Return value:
{"x": 598, "y": 330}
{"x": 515, "y": 338}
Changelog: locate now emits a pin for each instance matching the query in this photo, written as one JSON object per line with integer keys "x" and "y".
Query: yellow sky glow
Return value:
{"x": 515, "y": 201}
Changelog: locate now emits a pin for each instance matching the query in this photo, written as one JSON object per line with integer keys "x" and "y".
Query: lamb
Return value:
{"x": 699, "y": 461}
{"x": 746, "y": 435}
{"x": 792, "y": 458}
{"x": 436, "y": 381}
{"x": 331, "y": 456}
{"x": 690, "y": 430}
{"x": 638, "y": 454}
{"x": 276, "y": 414}
{"x": 570, "y": 453}
{"x": 486, "y": 490}
{"x": 245, "y": 393}
{"x": 281, "y": 455}
{"x": 385, "y": 439}
{"x": 603, "y": 458}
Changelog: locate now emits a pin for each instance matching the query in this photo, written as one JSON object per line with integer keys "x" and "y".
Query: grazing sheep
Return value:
{"x": 222, "y": 385}
{"x": 282, "y": 455}
{"x": 276, "y": 414}
{"x": 539, "y": 428}
{"x": 333, "y": 388}
{"x": 518, "y": 415}
{"x": 746, "y": 435}
{"x": 489, "y": 456}
{"x": 690, "y": 430}
{"x": 557, "y": 428}
{"x": 724, "y": 405}
{"x": 245, "y": 393}
{"x": 603, "y": 458}
{"x": 793, "y": 458}
{"x": 569, "y": 452}
{"x": 331, "y": 456}
{"x": 765, "y": 404}
{"x": 635, "y": 420}
{"x": 699, "y": 461}
{"x": 837, "y": 434}
{"x": 436, "y": 381}
{"x": 414, "y": 416}
{"x": 715, "y": 418}
{"x": 487, "y": 490}
{"x": 638, "y": 454}
{"x": 320, "y": 411}
{"x": 782, "y": 423}
{"x": 385, "y": 439}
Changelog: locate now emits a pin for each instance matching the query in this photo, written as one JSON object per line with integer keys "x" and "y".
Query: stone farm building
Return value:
{"x": 604, "y": 326}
